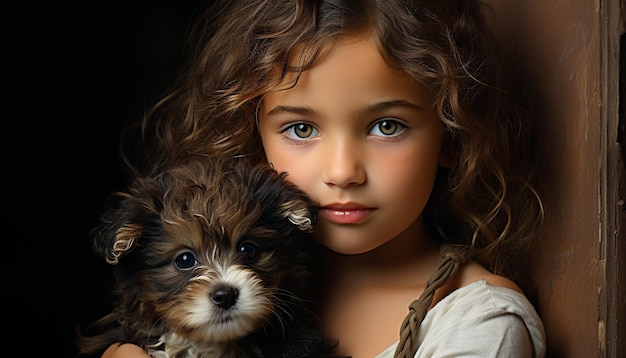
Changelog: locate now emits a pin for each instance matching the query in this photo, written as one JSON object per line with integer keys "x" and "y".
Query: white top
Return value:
{"x": 480, "y": 320}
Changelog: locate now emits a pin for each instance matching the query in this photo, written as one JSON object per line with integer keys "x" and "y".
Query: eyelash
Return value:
{"x": 290, "y": 131}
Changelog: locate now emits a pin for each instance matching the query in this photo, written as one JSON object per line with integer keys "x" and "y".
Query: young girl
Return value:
{"x": 394, "y": 116}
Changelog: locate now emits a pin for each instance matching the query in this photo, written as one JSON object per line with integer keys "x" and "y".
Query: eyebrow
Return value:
{"x": 388, "y": 104}
{"x": 371, "y": 108}
{"x": 290, "y": 109}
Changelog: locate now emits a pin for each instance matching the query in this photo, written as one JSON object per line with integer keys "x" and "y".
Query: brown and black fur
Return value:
{"x": 211, "y": 260}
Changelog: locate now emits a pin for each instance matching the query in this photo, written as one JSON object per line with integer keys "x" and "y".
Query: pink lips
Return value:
{"x": 348, "y": 213}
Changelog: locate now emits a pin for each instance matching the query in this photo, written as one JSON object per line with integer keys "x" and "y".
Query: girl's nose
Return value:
{"x": 343, "y": 165}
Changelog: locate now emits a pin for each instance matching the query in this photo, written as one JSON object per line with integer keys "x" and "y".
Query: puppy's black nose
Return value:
{"x": 224, "y": 297}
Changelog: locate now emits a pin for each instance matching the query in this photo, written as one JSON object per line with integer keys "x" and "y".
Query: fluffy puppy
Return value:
{"x": 211, "y": 260}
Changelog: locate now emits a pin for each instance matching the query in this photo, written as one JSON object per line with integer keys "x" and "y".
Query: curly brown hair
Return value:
{"x": 240, "y": 50}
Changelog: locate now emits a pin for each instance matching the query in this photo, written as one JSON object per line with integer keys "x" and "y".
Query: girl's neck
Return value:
{"x": 363, "y": 299}
{"x": 401, "y": 261}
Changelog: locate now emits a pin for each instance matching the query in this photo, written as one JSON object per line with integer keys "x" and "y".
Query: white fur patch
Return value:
{"x": 252, "y": 307}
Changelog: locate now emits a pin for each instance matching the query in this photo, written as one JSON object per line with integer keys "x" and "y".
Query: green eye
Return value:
{"x": 387, "y": 128}
{"x": 302, "y": 130}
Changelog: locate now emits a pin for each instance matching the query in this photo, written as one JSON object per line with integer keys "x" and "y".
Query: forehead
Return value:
{"x": 350, "y": 68}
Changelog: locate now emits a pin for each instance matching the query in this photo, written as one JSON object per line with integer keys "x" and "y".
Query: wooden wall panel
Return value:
{"x": 562, "y": 48}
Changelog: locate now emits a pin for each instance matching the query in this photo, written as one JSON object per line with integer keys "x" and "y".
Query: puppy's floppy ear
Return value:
{"x": 123, "y": 223}
{"x": 123, "y": 240}
{"x": 299, "y": 214}
{"x": 296, "y": 206}
{"x": 279, "y": 199}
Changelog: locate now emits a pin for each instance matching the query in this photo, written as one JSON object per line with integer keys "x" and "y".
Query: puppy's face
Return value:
{"x": 209, "y": 251}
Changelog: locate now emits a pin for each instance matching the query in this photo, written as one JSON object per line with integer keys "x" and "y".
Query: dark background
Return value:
{"x": 74, "y": 75}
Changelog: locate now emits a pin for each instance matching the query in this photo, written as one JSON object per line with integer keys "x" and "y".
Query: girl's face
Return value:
{"x": 360, "y": 138}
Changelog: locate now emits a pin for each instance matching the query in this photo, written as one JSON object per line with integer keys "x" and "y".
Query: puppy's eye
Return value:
{"x": 186, "y": 260}
{"x": 249, "y": 250}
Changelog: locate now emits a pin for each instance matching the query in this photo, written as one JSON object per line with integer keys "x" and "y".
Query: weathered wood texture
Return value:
{"x": 569, "y": 51}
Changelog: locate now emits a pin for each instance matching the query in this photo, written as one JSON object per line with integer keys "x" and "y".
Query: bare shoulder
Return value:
{"x": 125, "y": 351}
{"x": 473, "y": 272}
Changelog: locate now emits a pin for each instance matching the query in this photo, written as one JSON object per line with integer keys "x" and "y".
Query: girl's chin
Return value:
{"x": 346, "y": 245}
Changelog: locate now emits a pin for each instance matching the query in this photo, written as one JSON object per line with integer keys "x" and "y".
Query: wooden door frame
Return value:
{"x": 612, "y": 299}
